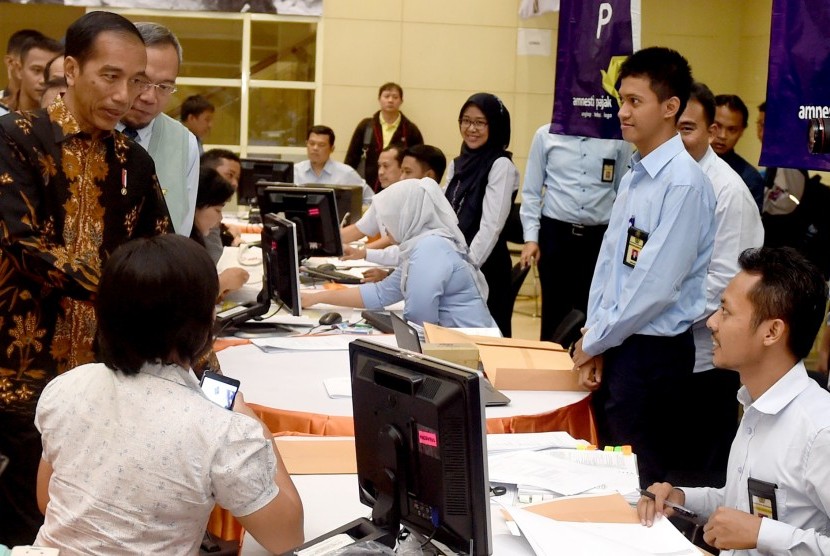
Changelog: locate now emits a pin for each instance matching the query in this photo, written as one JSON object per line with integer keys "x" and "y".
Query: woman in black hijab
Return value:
{"x": 482, "y": 184}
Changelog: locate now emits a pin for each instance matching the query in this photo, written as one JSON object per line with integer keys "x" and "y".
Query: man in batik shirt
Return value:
{"x": 71, "y": 191}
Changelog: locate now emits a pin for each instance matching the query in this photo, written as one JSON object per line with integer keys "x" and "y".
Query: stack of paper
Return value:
{"x": 499, "y": 443}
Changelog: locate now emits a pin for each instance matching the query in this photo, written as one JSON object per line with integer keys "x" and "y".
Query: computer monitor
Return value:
{"x": 313, "y": 210}
{"x": 421, "y": 446}
{"x": 349, "y": 201}
{"x": 281, "y": 276}
{"x": 255, "y": 170}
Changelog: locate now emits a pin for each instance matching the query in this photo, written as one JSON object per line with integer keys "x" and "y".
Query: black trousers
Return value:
{"x": 635, "y": 401}
{"x": 497, "y": 270}
{"x": 20, "y": 518}
{"x": 709, "y": 400}
{"x": 568, "y": 255}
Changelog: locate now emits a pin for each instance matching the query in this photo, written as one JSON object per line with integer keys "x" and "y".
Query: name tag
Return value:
{"x": 762, "y": 498}
{"x": 634, "y": 244}
{"x": 608, "y": 170}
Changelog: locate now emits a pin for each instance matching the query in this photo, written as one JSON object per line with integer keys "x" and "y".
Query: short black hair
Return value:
{"x": 321, "y": 130}
{"x": 213, "y": 158}
{"x": 704, "y": 95}
{"x": 43, "y": 43}
{"x": 213, "y": 189}
{"x": 791, "y": 288}
{"x": 667, "y": 70}
{"x": 82, "y": 34}
{"x": 18, "y": 38}
{"x": 195, "y": 105}
{"x": 399, "y": 149}
{"x": 155, "y": 301}
{"x": 734, "y": 103}
{"x": 390, "y": 86}
{"x": 762, "y": 107}
{"x": 429, "y": 156}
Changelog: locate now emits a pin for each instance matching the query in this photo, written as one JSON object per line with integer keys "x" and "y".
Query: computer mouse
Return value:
{"x": 327, "y": 266}
{"x": 331, "y": 318}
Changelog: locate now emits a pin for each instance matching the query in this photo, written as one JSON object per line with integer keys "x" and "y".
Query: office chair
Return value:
{"x": 569, "y": 329}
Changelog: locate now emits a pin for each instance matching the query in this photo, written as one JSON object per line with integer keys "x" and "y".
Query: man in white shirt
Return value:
{"x": 320, "y": 168}
{"x": 737, "y": 227}
{"x": 174, "y": 149}
{"x": 777, "y": 490}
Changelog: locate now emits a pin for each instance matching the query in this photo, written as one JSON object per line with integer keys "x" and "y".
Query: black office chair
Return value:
{"x": 569, "y": 329}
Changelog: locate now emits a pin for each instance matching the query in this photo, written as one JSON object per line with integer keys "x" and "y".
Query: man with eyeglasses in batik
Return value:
{"x": 71, "y": 191}
{"x": 174, "y": 149}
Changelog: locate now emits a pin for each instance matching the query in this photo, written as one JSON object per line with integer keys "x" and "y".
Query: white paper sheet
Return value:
{"x": 340, "y": 387}
{"x": 333, "y": 342}
{"x": 537, "y": 469}
{"x": 497, "y": 443}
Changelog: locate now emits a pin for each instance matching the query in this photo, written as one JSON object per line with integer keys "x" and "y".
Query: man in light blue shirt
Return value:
{"x": 648, "y": 285}
{"x": 569, "y": 189}
{"x": 320, "y": 168}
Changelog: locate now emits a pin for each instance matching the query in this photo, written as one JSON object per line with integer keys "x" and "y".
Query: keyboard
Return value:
{"x": 333, "y": 275}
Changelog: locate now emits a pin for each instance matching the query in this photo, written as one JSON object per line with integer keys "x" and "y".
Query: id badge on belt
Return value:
{"x": 762, "y": 498}
{"x": 634, "y": 243}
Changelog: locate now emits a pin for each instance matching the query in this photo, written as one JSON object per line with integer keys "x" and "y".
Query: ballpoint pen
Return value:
{"x": 680, "y": 511}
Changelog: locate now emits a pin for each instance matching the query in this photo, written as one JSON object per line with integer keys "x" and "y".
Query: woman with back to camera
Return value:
{"x": 435, "y": 278}
{"x": 482, "y": 184}
{"x": 135, "y": 456}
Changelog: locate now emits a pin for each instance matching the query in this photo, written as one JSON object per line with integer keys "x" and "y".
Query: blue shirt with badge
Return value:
{"x": 571, "y": 179}
{"x": 667, "y": 196}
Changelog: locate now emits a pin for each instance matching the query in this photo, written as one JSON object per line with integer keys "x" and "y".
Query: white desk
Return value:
{"x": 330, "y": 501}
{"x": 293, "y": 381}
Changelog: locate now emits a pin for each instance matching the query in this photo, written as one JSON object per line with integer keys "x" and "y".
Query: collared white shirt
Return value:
{"x": 738, "y": 227}
{"x": 784, "y": 439}
{"x": 139, "y": 461}
{"x": 502, "y": 181}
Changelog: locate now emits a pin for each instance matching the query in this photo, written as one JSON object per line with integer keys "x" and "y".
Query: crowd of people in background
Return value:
{"x": 661, "y": 241}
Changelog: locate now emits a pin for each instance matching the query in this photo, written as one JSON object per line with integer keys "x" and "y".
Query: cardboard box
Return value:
{"x": 513, "y": 364}
{"x": 464, "y": 354}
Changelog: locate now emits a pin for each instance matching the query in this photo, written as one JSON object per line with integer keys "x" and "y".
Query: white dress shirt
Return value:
{"x": 784, "y": 439}
{"x": 502, "y": 182}
{"x": 737, "y": 227}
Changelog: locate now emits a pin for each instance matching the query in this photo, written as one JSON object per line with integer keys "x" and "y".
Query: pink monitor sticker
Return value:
{"x": 428, "y": 438}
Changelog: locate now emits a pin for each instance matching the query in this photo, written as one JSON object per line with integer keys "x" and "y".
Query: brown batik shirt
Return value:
{"x": 66, "y": 202}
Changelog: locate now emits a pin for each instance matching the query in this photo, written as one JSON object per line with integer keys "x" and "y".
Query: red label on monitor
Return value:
{"x": 314, "y": 212}
{"x": 428, "y": 438}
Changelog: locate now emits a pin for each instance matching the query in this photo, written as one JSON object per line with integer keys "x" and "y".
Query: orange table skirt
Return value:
{"x": 577, "y": 419}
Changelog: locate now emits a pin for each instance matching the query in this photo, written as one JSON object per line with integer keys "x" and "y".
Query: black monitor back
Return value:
{"x": 349, "y": 201}
{"x": 313, "y": 210}
{"x": 421, "y": 421}
{"x": 280, "y": 262}
{"x": 255, "y": 170}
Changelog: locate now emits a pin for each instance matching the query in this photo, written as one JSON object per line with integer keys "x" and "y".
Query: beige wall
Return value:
{"x": 441, "y": 52}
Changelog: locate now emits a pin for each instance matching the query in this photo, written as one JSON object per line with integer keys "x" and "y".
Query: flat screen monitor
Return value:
{"x": 280, "y": 263}
{"x": 255, "y": 170}
{"x": 312, "y": 210}
{"x": 421, "y": 446}
{"x": 349, "y": 201}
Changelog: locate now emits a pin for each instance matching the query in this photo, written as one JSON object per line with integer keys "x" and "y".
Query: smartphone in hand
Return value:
{"x": 219, "y": 389}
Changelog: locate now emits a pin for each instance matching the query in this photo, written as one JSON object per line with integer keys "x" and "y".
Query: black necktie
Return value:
{"x": 132, "y": 133}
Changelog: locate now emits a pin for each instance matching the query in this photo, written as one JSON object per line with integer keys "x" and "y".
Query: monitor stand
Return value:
{"x": 385, "y": 525}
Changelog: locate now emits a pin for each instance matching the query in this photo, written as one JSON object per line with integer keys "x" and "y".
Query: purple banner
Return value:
{"x": 595, "y": 38}
{"x": 798, "y": 87}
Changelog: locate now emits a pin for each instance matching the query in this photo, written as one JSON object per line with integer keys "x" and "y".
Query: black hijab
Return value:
{"x": 466, "y": 189}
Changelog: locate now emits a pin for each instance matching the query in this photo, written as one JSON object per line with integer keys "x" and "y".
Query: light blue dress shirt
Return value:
{"x": 667, "y": 195}
{"x": 334, "y": 173}
{"x": 440, "y": 288}
{"x": 563, "y": 180}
